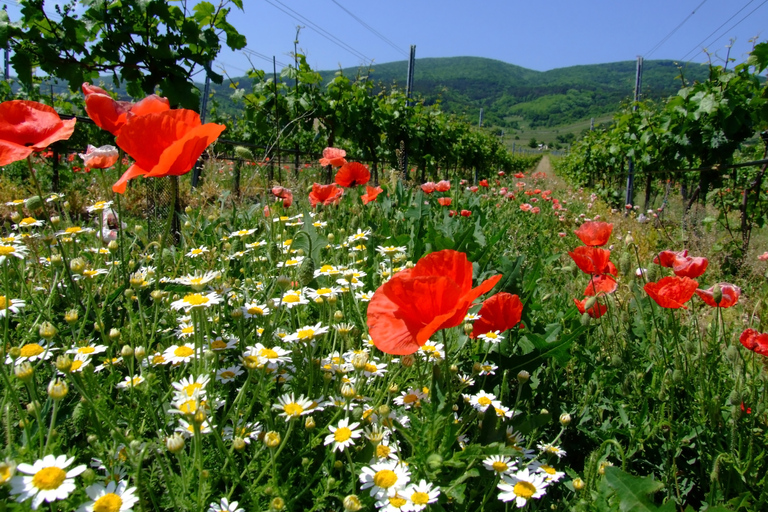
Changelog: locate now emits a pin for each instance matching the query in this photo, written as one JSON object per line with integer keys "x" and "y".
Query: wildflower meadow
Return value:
{"x": 488, "y": 342}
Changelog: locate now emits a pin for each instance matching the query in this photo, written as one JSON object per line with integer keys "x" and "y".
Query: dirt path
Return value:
{"x": 553, "y": 181}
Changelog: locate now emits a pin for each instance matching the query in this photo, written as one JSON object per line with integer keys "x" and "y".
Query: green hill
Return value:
{"x": 513, "y": 97}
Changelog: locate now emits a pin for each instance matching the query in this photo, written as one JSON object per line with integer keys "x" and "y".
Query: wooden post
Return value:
{"x": 631, "y": 167}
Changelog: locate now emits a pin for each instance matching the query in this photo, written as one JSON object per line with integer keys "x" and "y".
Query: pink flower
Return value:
{"x": 763, "y": 257}
{"x": 99, "y": 158}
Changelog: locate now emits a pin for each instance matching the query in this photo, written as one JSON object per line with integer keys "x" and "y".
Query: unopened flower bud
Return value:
{"x": 393, "y": 388}
{"x": 114, "y": 334}
{"x": 157, "y": 295}
{"x": 338, "y": 316}
{"x": 57, "y": 389}
{"x": 277, "y": 503}
{"x": 578, "y": 484}
{"x": 407, "y": 360}
{"x": 47, "y": 330}
{"x": 24, "y": 371}
{"x": 468, "y": 328}
{"x": 33, "y": 407}
{"x": 126, "y": 351}
{"x": 174, "y": 443}
{"x": 55, "y": 220}
{"x": 717, "y": 294}
{"x": 523, "y": 376}
{"x": 140, "y": 353}
{"x": 64, "y": 363}
{"x": 309, "y": 423}
{"x": 565, "y": 419}
{"x": 71, "y": 316}
{"x": 352, "y": 503}
{"x": 112, "y": 246}
{"x": 272, "y": 439}
{"x": 56, "y": 260}
{"x": 77, "y": 265}
{"x": 348, "y": 391}
{"x": 238, "y": 443}
{"x": 590, "y": 303}
{"x": 16, "y": 217}
{"x": 384, "y": 410}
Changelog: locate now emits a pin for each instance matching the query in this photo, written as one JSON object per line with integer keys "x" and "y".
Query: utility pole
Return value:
{"x": 296, "y": 93}
{"x": 480, "y": 122}
{"x": 408, "y": 102}
{"x": 631, "y": 164}
{"x": 277, "y": 119}
{"x": 7, "y": 75}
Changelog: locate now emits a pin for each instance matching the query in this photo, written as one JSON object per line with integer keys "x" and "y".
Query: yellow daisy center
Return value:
{"x": 189, "y": 389}
{"x": 227, "y": 374}
{"x": 188, "y": 407}
{"x": 397, "y": 501}
{"x": 370, "y": 368}
{"x": 5, "y": 250}
{"x": 76, "y": 364}
{"x": 290, "y": 263}
{"x": 196, "y": 251}
{"x": 491, "y": 335}
{"x": 158, "y": 359}
{"x": 86, "y": 350}
{"x": 90, "y": 273}
{"x": 382, "y": 451}
{"x": 548, "y": 469}
{"x": 31, "y": 350}
{"x": 385, "y": 478}
{"x": 524, "y": 490}
{"x": 99, "y": 205}
{"x": 190, "y": 329}
{"x": 49, "y": 478}
{"x": 484, "y": 400}
{"x": 196, "y": 299}
{"x": 27, "y": 221}
{"x": 420, "y": 498}
{"x": 409, "y": 399}
{"x": 108, "y": 503}
{"x": 5, "y": 473}
{"x": 499, "y": 466}
{"x": 291, "y": 298}
{"x": 305, "y": 334}
{"x": 183, "y": 351}
{"x": 73, "y": 229}
{"x": 255, "y": 310}
{"x": 218, "y": 344}
{"x": 324, "y": 291}
{"x": 293, "y": 409}
{"x": 3, "y": 302}
{"x": 342, "y": 434}
{"x": 268, "y": 353}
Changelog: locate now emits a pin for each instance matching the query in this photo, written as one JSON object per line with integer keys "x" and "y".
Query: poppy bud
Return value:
{"x": 34, "y": 203}
{"x": 717, "y": 293}
{"x": 590, "y": 303}
{"x": 586, "y": 319}
{"x": 407, "y": 360}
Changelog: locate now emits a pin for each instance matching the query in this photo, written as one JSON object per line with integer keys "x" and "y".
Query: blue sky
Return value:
{"x": 533, "y": 34}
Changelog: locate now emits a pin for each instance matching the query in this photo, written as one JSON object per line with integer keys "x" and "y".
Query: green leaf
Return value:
{"x": 632, "y": 491}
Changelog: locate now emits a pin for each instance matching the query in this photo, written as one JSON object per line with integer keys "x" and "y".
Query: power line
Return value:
{"x": 254, "y": 53}
{"x": 371, "y": 29}
{"x": 701, "y": 44}
{"x": 324, "y": 33}
{"x": 666, "y": 38}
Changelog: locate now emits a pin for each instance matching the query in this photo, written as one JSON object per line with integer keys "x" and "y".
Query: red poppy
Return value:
{"x": 417, "y": 302}
{"x": 690, "y": 267}
{"x": 352, "y": 173}
{"x": 334, "y": 157}
{"x": 755, "y": 341}
{"x": 465, "y": 213}
{"x": 444, "y": 201}
{"x": 596, "y": 311}
{"x": 371, "y": 193}
{"x": 452, "y": 213}
{"x": 325, "y": 194}
{"x": 103, "y": 157}
{"x": 285, "y": 194}
{"x": 526, "y": 207}
{"x": 595, "y": 234}
{"x": 730, "y": 295}
{"x": 602, "y": 284}
{"x": 672, "y": 292}
{"x": 28, "y": 126}
{"x": 499, "y": 313}
{"x": 593, "y": 260}
{"x": 483, "y": 183}
{"x": 111, "y": 115}
{"x": 443, "y": 186}
{"x": 535, "y": 209}
{"x": 177, "y": 140}
{"x": 474, "y": 188}
{"x": 428, "y": 187}
{"x": 519, "y": 175}
{"x": 669, "y": 258}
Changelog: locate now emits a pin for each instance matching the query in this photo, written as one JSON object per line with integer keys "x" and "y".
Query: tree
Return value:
{"x": 533, "y": 143}
{"x": 144, "y": 44}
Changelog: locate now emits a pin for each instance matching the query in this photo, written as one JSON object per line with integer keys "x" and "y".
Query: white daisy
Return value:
{"x": 198, "y": 281}
{"x": 501, "y": 464}
{"x": 491, "y": 337}
{"x": 550, "y": 473}
{"x": 47, "y": 481}
{"x": 421, "y": 494}
{"x": 482, "y": 400}
{"x": 551, "y": 449}
{"x": 221, "y": 343}
{"x": 176, "y": 354}
{"x": 187, "y": 386}
{"x": 384, "y": 478}
{"x": 32, "y": 352}
{"x": 224, "y": 506}
{"x": 12, "y": 305}
{"x": 307, "y": 333}
{"x": 521, "y": 487}
{"x": 98, "y": 206}
{"x": 293, "y": 407}
{"x": 254, "y": 309}
{"x": 12, "y": 250}
{"x": 292, "y": 298}
{"x": 343, "y": 435}
{"x": 130, "y": 382}
{"x": 114, "y": 497}
{"x": 226, "y": 375}
{"x": 197, "y": 251}
{"x": 196, "y": 300}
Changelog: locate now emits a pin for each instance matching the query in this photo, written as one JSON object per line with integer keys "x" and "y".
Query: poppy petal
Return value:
{"x": 730, "y": 295}
{"x": 591, "y": 260}
{"x": 594, "y": 234}
{"x": 11, "y": 152}
{"x": 602, "y": 284}
{"x": 351, "y": 174}
{"x": 690, "y": 267}
{"x": 672, "y": 292}
{"x": 133, "y": 171}
{"x": 755, "y": 341}
{"x": 500, "y": 312}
